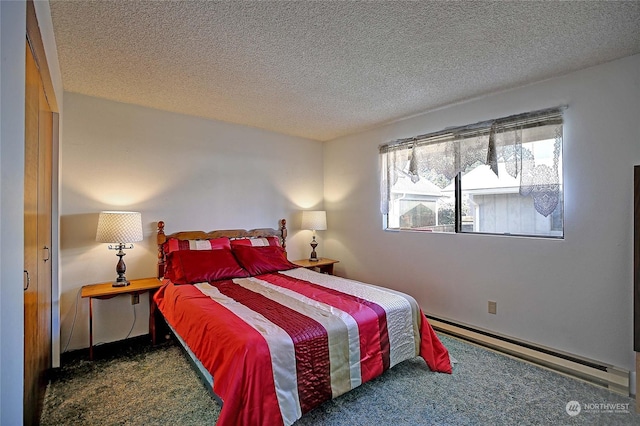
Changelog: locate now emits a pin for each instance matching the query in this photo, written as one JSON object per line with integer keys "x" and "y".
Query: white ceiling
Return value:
{"x": 325, "y": 69}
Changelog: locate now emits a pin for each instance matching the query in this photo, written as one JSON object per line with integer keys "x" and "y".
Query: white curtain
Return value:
{"x": 440, "y": 156}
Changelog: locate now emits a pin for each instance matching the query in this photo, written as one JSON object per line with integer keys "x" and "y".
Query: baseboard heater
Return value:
{"x": 608, "y": 376}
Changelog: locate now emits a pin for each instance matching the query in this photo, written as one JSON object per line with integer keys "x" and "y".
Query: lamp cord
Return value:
{"x": 75, "y": 315}
{"x": 73, "y": 324}
{"x": 130, "y": 330}
{"x": 134, "y": 322}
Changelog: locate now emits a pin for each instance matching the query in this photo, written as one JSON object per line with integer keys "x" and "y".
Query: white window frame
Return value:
{"x": 499, "y": 143}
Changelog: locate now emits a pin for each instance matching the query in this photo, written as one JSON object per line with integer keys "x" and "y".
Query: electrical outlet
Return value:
{"x": 493, "y": 307}
{"x": 135, "y": 298}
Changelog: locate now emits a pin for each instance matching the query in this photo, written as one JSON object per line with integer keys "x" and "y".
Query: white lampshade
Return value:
{"x": 316, "y": 220}
{"x": 119, "y": 227}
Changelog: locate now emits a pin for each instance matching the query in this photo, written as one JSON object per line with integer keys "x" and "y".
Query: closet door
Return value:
{"x": 37, "y": 240}
{"x": 31, "y": 351}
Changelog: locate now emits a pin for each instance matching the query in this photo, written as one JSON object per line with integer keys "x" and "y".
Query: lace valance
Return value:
{"x": 440, "y": 156}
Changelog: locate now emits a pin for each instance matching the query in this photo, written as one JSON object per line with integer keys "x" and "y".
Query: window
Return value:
{"x": 502, "y": 176}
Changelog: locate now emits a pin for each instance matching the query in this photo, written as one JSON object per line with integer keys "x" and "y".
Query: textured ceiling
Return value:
{"x": 325, "y": 69}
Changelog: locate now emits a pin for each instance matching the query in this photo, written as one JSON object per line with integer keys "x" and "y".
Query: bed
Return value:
{"x": 274, "y": 340}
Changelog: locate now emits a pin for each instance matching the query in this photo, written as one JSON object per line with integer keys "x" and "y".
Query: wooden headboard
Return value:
{"x": 281, "y": 233}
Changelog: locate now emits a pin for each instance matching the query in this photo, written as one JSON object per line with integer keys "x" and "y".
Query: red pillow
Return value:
{"x": 262, "y": 260}
{"x": 256, "y": 242}
{"x": 196, "y": 266}
{"x": 174, "y": 244}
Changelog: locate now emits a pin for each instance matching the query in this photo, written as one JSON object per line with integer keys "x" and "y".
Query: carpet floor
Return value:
{"x": 133, "y": 383}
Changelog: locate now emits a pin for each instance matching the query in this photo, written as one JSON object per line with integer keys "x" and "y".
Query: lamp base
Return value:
{"x": 314, "y": 255}
{"x": 121, "y": 268}
{"x": 119, "y": 283}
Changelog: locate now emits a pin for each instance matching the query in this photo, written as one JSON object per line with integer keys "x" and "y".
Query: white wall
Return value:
{"x": 192, "y": 173}
{"x": 13, "y": 27}
{"x": 574, "y": 294}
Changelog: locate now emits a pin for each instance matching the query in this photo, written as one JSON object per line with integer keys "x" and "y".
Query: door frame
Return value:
{"x": 34, "y": 35}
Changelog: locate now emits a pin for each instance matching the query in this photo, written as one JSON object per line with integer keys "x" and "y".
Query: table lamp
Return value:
{"x": 121, "y": 229}
{"x": 315, "y": 220}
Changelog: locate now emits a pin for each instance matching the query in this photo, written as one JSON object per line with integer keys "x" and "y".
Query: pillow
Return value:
{"x": 196, "y": 266}
{"x": 174, "y": 244}
{"x": 256, "y": 242}
{"x": 262, "y": 260}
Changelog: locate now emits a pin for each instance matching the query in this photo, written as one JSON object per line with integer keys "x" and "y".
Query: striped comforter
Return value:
{"x": 280, "y": 344}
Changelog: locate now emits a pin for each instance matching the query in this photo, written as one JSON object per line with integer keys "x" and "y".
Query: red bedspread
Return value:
{"x": 280, "y": 344}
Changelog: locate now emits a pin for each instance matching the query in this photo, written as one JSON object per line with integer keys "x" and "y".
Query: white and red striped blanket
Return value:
{"x": 280, "y": 344}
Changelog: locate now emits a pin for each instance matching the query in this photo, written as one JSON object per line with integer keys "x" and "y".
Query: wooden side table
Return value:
{"x": 323, "y": 265}
{"x": 107, "y": 291}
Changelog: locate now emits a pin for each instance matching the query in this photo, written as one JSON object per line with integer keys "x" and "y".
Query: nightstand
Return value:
{"x": 323, "y": 264}
{"x": 107, "y": 291}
